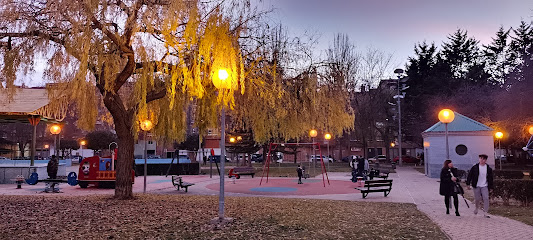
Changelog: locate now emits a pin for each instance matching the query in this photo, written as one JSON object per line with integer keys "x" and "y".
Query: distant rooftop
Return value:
{"x": 461, "y": 123}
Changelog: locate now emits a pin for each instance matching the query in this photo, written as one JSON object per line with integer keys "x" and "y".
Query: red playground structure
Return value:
{"x": 267, "y": 162}
{"x": 99, "y": 171}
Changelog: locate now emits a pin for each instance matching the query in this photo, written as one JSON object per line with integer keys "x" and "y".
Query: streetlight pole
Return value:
{"x": 399, "y": 72}
{"x": 446, "y": 116}
{"x": 222, "y": 163}
{"x": 328, "y": 137}
{"x": 82, "y": 143}
{"x": 499, "y": 136}
{"x": 222, "y": 80}
{"x": 313, "y": 134}
{"x": 55, "y": 130}
{"x": 146, "y": 125}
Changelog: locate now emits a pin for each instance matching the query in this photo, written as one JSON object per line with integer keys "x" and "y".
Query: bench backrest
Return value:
{"x": 243, "y": 169}
{"x": 378, "y": 183}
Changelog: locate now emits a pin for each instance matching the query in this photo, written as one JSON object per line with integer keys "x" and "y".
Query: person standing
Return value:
{"x": 51, "y": 169}
{"x": 481, "y": 178}
{"x": 300, "y": 174}
{"x": 447, "y": 186}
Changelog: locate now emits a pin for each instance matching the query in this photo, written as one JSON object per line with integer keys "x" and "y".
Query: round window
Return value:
{"x": 461, "y": 149}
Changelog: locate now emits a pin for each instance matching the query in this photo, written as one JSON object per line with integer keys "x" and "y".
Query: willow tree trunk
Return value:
{"x": 123, "y": 120}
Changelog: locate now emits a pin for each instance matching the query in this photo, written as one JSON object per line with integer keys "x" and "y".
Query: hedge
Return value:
{"x": 509, "y": 174}
{"x": 517, "y": 189}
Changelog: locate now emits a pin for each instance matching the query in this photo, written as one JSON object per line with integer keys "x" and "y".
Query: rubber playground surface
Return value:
{"x": 286, "y": 186}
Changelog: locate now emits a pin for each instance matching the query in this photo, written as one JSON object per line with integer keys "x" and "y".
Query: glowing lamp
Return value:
{"x": 446, "y": 116}
{"x": 313, "y": 133}
{"x": 46, "y": 146}
{"x": 392, "y": 144}
{"x": 146, "y": 125}
{"x": 221, "y": 79}
{"x": 499, "y": 135}
{"x": 239, "y": 138}
{"x": 531, "y": 130}
{"x": 55, "y": 129}
{"x": 231, "y": 139}
{"x": 327, "y": 136}
{"x": 83, "y": 142}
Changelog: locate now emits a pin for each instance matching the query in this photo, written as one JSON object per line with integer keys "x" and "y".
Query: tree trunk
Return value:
{"x": 22, "y": 147}
{"x": 123, "y": 120}
{"x": 124, "y": 164}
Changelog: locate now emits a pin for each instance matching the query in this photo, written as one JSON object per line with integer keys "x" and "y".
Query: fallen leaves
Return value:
{"x": 188, "y": 217}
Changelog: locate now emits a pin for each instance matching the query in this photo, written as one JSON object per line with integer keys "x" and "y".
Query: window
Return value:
{"x": 150, "y": 142}
{"x": 461, "y": 149}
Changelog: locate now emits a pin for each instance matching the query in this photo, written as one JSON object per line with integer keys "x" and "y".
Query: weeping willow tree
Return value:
{"x": 285, "y": 96}
{"x": 154, "y": 59}
{"x": 147, "y": 59}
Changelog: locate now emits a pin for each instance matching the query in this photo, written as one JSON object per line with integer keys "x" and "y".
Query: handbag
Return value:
{"x": 458, "y": 189}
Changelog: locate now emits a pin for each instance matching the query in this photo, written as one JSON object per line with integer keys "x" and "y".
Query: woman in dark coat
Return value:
{"x": 447, "y": 186}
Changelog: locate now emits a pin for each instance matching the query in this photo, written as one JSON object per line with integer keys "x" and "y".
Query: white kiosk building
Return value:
{"x": 467, "y": 140}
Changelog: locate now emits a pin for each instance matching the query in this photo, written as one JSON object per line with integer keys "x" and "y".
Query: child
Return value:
{"x": 300, "y": 174}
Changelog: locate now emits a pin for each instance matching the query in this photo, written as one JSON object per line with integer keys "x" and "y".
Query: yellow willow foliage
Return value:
{"x": 170, "y": 124}
{"x": 289, "y": 108}
{"x": 176, "y": 46}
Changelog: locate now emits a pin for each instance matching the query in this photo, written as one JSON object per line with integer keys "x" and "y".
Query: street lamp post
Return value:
{"x": 55, "y": 130}
{"x": 446, "y": 116}
{"x": 47, "y": 147}
{"x": 146, "y": 126}
{"x": 327, "y": 136}
{"x": 399, "y": 73}
{"x": 222, "y": 81}
{"x": 499, "y": 136}
{"x": 82, "y": 143}
{"x": 313, "y": 133}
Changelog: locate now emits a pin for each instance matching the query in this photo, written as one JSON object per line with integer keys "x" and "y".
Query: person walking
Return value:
{"x": 353, "y": 165}
{"x": 447, "y": 186}
{"x": 480, "y": 177}
{"x": 300, "y": 174}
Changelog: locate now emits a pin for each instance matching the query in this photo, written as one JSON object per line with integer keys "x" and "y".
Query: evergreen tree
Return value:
{"x": 496, "y": 56}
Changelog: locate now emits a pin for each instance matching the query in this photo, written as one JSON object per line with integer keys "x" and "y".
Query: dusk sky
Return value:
{"x": 394, "y": 26}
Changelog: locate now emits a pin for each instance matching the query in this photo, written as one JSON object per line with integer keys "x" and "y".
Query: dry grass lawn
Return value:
{"x": 188, "y": 217}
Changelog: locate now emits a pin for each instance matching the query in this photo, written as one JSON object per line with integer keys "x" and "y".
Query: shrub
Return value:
{"x": 508, "y": 174}
{"x": 518, "y": 189}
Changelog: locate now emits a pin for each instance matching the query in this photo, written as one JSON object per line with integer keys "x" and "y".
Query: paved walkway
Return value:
{"x": 424, "y": 193}
{"x": 409, "y": 186}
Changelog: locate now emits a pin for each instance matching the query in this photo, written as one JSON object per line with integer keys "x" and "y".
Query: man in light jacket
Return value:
{"x": 481, "y": 178}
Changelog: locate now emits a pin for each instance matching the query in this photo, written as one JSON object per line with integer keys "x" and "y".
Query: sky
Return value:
{"x": 395, "y": 26}
{"x": 391, "y": 26}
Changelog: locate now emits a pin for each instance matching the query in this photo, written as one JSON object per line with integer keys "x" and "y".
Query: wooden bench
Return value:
{"x": 384, "y": 186}
{"x": 179, "y": 183}
{"x": 376, "y": 173}
{"x": 238, "y": 171}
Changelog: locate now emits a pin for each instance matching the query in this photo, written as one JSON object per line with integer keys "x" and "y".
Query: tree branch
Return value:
{"x": 131, "y": 22}
{"x": 114, "y": 38}
{"x": 156, "y": 94}
{"x": 157, "y": 65}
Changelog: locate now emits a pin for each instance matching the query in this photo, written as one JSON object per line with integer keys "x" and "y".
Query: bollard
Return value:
{"x": 19, "y": 180}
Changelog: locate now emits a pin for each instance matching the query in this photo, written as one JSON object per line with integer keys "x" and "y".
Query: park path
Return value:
{"x": 424, "y": 193}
